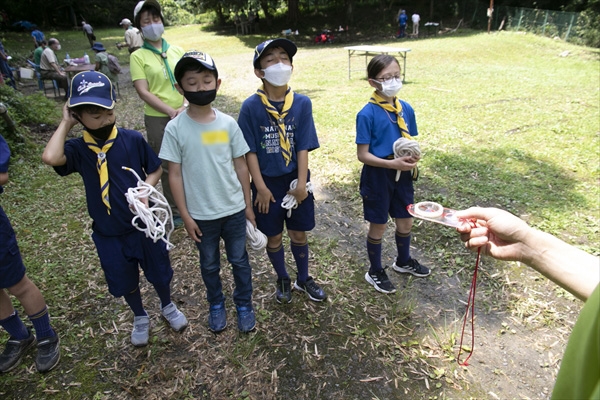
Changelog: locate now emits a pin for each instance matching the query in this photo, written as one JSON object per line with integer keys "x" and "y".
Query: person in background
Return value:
{"x": 133, "y": 37}
{"x": 13, "y": 280}
{"x": 101, "y": 60}
{"x": 38, "y": 37}
{"x": 279, "y": 128}
{"x": 88, "y": 32}
{"x": 49, "y": 67}
{"x": 382, "y": 121}
{"x": 506, "y": 237}
{"x": 98, "y": 157}
{"x": 37, "y": 53}
{"x": 5, "y": 70}
{"x": 151, "y": 70}
{"x": 402, "y": 20}
{"x": 416, "y": 18}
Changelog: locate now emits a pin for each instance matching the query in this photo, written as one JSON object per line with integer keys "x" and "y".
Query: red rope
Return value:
{"x": 470, "y": 305}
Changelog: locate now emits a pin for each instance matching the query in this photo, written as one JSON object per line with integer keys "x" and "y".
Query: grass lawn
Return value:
{"x": 506, "y": 120}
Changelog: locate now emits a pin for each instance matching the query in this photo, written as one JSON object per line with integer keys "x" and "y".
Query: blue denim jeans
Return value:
{"x": 233, "y": 231}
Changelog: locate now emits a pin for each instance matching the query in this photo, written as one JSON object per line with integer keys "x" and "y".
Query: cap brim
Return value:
{"x": 94, "y": 101}
{"x": 185, "y": 62}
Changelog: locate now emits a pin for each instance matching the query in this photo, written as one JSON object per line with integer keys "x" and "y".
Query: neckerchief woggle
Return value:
{"x": 163, "y": 54}
{"x": 395, "y": 108}
{"x": 101, "y": 163}
{"x": 284, "y": 141}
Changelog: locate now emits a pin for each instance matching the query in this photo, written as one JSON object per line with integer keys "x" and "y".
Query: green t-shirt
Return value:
{"x": 37, "y": 55}
{"x": 144, "y": 64}
{"x": 579, "y": 375}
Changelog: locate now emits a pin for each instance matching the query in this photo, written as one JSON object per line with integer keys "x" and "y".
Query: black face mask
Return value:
{"x": 101, "y": 133}
{"x": 201, "y": 98}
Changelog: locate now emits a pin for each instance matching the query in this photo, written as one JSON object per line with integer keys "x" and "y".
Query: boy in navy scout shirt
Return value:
{"x": 211, "y": 186}
{"x": 14, "y": 281}
{"x": 279, "y": 128}
{"x": 98, "y": 157}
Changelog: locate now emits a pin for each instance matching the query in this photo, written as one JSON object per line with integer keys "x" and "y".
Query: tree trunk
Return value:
{"x": 293, "y": 12}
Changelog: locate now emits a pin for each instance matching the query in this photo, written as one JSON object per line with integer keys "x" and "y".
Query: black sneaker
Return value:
{"x": 380, "y": 282}
{"x": 412, "y": 267}
{"x": 48, "y": 354}
{"x": 14, "y": 352}
{"x": 284, "y": 290}
{"x": 310, "y": 287}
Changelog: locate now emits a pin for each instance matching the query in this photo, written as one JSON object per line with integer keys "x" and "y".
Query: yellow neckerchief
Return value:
{"x": 284, "y": 141}
{"x": 396, "y": 109}
{"x": 102, "y": 165}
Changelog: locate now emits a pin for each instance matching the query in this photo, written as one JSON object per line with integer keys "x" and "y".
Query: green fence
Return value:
{"x": 547, "y": 23}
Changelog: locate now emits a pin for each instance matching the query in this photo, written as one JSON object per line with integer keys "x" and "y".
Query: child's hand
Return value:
{"x": 69, "y": 117}
{"x": 299, "y": 193}
{"x": 263, "y": 200}
{"x": 403, "y": 163}
{"x": 192, "y": 229}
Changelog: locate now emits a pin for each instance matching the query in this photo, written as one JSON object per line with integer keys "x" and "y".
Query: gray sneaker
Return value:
{"x": 14, "y": 352}
{"x": 412, "y": 267}
{"x": 48, "y": 354}
{"x": 141, "y": 331}
{"x": 175, "y": 317}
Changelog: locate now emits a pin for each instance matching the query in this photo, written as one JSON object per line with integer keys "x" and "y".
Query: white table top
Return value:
{"x": 378, "y": 49}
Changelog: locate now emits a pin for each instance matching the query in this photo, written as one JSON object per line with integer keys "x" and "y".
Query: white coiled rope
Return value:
{"x": 155, "y": 217}
{"x": 256, "y": 239}
{"x": 289, "y": 202}
{"x": 404, "y": 147}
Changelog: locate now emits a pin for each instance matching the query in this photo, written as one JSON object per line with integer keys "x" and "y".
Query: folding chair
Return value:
{"x": 42, "y": 82}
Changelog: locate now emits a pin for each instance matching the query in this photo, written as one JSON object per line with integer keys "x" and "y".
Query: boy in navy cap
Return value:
{"x": 211, "y": 186}
{"x": 279, "y": 128}
{"x": 98, "y": 157}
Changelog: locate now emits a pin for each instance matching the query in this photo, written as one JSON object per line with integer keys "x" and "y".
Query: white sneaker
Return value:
{"x": 175, "y": 317}
{"x": 141, "y": 331}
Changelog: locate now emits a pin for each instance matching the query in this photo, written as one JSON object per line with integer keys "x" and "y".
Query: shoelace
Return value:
{"x": 405, "y": 147}
{"x": 289, "y": 202}
{"x": 256, "y": 238}
{"x": 156, "y": 217}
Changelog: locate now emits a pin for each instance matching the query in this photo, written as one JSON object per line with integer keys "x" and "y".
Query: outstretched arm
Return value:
{"x": 507, "y": 237}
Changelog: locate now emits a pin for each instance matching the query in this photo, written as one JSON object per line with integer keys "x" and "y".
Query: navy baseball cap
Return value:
{"x": 190, "y": 61}
{"x": 91, "y": 87}
{"x": 289, "y": 47}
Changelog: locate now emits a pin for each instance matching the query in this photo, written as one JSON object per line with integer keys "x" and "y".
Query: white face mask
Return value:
{"x": 278, "y": 74}
{"x": 58, "y": 47}
{"x": 153, "y": 32}
{"x": 391, "y": 88}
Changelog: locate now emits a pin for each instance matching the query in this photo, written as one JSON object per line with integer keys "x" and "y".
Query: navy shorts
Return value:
{"x": 12, "y": 269}
{"x": 121, "y": 257}
{"x": 271, "y": 224}
{"x": 383, "y": 196}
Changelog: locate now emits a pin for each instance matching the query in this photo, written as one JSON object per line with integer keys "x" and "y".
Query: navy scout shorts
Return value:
{"x": 12, "y": 269}
{"x": 121, "y": 257}
{"x": 383, "y": 196}
{"x": 271, "y": 224}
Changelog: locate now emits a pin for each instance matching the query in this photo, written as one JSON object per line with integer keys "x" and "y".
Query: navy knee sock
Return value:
{"x": 277, "y": 258}
{"x": 300, "y": 253}
{"x": 164, "y": 294}
{"x": 403, "y": 246}
{"x": 15, "y": 326}
{"x": 41, "y": 323}
{"x": 134, "y": 300}
{"x": 374, "y": 250}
